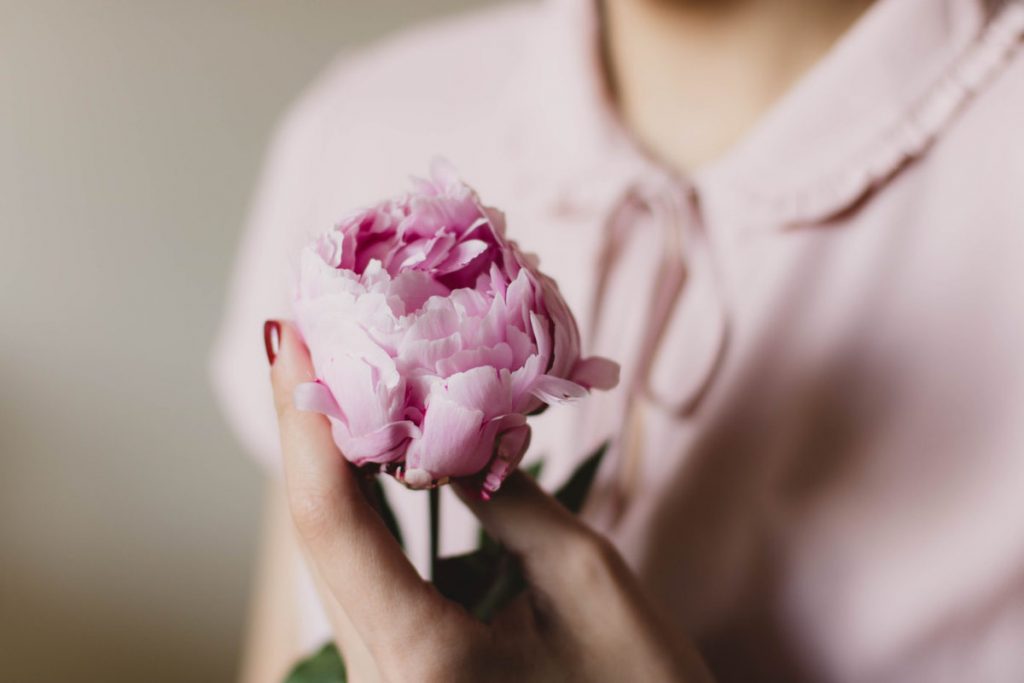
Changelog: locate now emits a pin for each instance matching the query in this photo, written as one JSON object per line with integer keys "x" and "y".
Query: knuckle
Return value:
{"x": 438, "y": 670}
{"x": 445, "y": 653}
{"x": 313, "y": 512}
{"x": 440, "y": 665}
{"x": 590, "y": 558}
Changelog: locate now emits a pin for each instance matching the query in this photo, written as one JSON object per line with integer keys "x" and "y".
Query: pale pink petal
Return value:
{"x": 542, "y": 337}
{"x": 366, "y": 401}
{"x": 496, "y": 218}
{"x": 520, "y": 300}
{"x": 345, "y": 342}
{"x": 462, "y": 211}
{"x": 596, "y": 373}
{"x": 316, "y": 398}
{"x": 497, "y": 357}
{"x": 498, "y": 281}
{"x": 524, "y": 379}
{"x": 419, "y": 384}
{"x": 460, "y": 255}
{"x": 436, "y": 320}
{"x": 491, "y": 329}
{"x": 482, "y": 230}
{"x": 449, "y": 445}
{"x": 566, "y": 349}
{"x": 439, "y": 249}
{"x": 413, "y": 288}
{"x": 492, "y": 429}
{"x": 368, "y": 251}
{"x": 511, "y": 447}
{"x": 383, "y": 445}
{"x": 416, "y": 479}
{"x": 407, "y": 255}
{"x": 469, "y": 302}
{"x": 422, "y": 185}
{"x": 482, "y": 388}
{"x": 521, "y": 344}
{"x": 443, "y": 173}
{"x": 418, "y": 354}
{"x": 552, "y": 389}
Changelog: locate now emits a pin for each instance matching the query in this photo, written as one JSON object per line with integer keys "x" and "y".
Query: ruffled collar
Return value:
{"x": 879, "y": 98}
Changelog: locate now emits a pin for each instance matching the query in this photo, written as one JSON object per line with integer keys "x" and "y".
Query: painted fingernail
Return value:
{"x": 272, "y": 339}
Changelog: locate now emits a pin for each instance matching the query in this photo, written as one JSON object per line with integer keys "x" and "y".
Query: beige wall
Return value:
{"x": 130, "y": 137}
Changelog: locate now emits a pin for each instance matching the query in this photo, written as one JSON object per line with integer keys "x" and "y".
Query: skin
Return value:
{"x": 584, "y": 617}
{"x": 735, "y": 59}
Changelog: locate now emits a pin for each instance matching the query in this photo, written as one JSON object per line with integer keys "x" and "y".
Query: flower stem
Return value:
{"x": 435, "y": 507}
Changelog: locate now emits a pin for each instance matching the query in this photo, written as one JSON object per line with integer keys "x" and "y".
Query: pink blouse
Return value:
{"x": 818, "y": 445}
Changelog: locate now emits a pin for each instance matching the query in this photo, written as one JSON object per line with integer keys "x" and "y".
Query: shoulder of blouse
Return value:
{"x": 446, "y": 68}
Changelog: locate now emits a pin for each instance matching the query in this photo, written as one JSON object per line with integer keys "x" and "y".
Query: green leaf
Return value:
{"x": 535, "y": 469}
{"x": 508, "y": 583}
{"x": 482, "y": 581}
{"x": 386, "y": 513}
{"x": 466, "y": 578}
{"x": 487, "y": 544}
{"x": 325, "y": 666}
{"x": 574, "y": 492}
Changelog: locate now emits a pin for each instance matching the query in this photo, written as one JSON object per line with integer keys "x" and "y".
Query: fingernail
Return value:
{"x": 272, "y": 339}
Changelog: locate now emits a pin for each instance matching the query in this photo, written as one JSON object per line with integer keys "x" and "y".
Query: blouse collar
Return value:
{"x": 879, "y": 98}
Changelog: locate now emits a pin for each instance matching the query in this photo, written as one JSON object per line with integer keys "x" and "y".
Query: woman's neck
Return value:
{"x": 692, "y": 76}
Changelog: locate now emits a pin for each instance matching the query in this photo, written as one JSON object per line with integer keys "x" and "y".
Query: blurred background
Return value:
{"x": 131, "y": 136}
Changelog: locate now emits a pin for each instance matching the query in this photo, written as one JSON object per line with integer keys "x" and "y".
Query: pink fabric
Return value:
{"x": 819, "y": 438}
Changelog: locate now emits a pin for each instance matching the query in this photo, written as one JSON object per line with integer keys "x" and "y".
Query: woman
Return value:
{"x": 797, "y": 226}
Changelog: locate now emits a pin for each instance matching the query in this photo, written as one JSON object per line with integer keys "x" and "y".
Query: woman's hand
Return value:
{"x": 583, "y": 617}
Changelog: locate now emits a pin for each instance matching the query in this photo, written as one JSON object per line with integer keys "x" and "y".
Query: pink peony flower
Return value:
{"x": 433, "y": 337}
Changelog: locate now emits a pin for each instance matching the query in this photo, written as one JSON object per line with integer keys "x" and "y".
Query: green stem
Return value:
{"x": 435, "y": 506}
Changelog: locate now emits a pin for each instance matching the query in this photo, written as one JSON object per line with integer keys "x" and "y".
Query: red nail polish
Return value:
{"x": 272, "y": 339}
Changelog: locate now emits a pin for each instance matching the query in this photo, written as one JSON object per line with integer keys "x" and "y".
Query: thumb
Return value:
{"x": 553, "y": 544}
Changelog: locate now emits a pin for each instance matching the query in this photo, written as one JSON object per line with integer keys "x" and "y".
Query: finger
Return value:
{"x": 360, "y": 664}
{"x": 311, "y": 461}
{"x": 342, "y": 536}
{"x": 586, "y": 588}
{"x": 577, "y": 577}
{"x": 517, "y": 619}
{"x": 533, "y": 525}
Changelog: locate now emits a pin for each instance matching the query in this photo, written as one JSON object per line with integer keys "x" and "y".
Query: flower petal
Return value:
{"x": 596, "y": 373}
{"x": 383, "y": 445}
{"x": 542, "y": 338}
{"x": 552, "y": 389}
{"x": 460, "y": 255}
{"x": 566, "y": 350}
{"x": 413, "y": 288}
{"x": 450, "y": 440}
{"x": 497, "y": 357}
{"x": 482, "y": 388}
{"x": 315, "y": 397}
{"x": 512, "y": 445}
{"x": 367, "y": 398}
